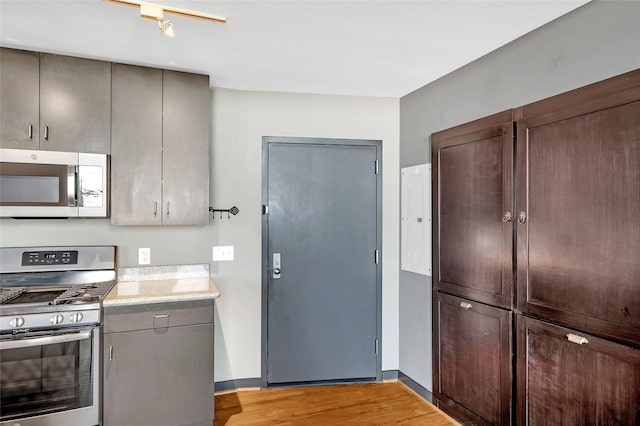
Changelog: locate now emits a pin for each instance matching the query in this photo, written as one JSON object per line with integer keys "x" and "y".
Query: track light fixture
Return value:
{"x": 157, "y": 11}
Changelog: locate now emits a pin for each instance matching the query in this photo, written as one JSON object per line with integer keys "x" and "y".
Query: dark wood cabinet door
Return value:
{"x": 579, "y": 186}
{"x": 575, "y": 382}
{"x": 472, "y": 179}
{"x": 472, "y": 360}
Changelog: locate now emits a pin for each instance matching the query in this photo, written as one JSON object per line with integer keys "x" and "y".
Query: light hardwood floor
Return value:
{"x": 389, "y": 403}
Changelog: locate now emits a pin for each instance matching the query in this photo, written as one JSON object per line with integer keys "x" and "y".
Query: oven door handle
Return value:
{"x": 47, "y": 340}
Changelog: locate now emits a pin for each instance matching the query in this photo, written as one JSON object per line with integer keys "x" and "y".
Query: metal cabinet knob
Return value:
{"x": 507, "y": 217}
{"x": 522, "y": 217}
{"x": 276, "y": 271}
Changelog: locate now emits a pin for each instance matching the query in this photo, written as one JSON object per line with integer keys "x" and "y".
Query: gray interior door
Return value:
{"x": 322, "y": 310}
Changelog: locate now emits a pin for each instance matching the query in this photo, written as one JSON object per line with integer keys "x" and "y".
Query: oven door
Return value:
{"x": 50, "y": 378}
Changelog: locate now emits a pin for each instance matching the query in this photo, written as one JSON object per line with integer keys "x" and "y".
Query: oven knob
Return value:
{"x": 56, "y": 319}
{"x": 16, "y": 322}
{"x": 76, "y": 317}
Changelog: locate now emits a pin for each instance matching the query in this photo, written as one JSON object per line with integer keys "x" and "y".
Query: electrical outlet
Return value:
{"x": 144, "y": 256}
{"x": 222, "y": 253}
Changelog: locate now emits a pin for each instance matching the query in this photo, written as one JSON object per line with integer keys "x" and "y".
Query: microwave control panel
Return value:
{"x": 30, "y": 258}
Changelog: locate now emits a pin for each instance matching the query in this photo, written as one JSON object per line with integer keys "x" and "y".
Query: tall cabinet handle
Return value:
{"x": 111, "y": 353}
{"x": 30, "y": 132}
{"x": 155, "y": 208}
{"x": 46, "y": 133}
{"x": 168, "y": 205}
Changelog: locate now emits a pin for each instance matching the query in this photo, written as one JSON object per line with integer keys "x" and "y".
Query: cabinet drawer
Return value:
{"x": 472, "y": 360}
{"x": 157, "y": 315}
{"x": 574, "y": 378}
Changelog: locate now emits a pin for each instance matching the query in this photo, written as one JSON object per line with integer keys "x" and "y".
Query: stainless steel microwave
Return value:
{"x": 53, "y": 184}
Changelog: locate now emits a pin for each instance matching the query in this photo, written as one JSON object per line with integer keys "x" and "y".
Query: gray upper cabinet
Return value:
{"x": 136, "y": 151}
{"x": 19, "y": 100}
{"x": 160, "y": 147}
{"x": 75, "y": 104}
{"x": 185, "y": 137}
{"x": 54, "y": 103}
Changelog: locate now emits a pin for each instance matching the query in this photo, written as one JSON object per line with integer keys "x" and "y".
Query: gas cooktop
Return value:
{"x": 54, "y": 287}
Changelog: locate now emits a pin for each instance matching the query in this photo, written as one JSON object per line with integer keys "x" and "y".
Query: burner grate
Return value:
{"x": 34, "y": 297}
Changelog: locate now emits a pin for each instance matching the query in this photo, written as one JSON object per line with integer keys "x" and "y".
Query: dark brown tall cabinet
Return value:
{"x": 537, "y": 261}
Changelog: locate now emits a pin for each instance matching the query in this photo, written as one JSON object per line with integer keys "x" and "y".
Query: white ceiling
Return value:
{"x": 364, "y": 48}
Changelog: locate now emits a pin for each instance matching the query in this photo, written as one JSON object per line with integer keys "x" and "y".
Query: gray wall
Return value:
{"x": 596, "y": 41}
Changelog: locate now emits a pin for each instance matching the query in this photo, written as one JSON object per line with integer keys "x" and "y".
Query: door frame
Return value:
{"x": 266, "y": 140}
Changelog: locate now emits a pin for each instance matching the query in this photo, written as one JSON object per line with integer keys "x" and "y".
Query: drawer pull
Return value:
{"x": 161, "y": 315}
{"x": 574, "y": 338}
{"x": 465, "y": 305}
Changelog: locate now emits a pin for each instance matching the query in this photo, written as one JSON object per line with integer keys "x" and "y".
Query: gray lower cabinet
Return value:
{"x": 54, "y": 102}
{"x": 158, "y": 364}
{"x": 160, "y": 147}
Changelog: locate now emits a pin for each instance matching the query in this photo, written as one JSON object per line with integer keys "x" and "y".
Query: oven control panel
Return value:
{"x": 30, "y": 258}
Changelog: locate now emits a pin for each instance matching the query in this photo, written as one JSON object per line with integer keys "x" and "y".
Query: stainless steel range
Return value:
{"x": 50, "y": 319}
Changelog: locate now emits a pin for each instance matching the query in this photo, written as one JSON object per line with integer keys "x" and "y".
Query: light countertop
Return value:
{"x": 160, "y": 284}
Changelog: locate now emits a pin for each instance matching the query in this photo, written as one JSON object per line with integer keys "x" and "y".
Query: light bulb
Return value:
{"x": 166, "y": 27}
{"x": 168, "y": 30}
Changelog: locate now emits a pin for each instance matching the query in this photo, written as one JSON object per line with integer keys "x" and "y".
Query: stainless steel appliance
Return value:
{"x": 53, "y": 184}
{"x": 50, "y": 323}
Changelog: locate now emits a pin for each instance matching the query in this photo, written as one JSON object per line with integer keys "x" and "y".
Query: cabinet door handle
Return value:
{"x": 161, "y": 315}
{"x": 574, "y": 338}
{"x": 46, "y": 133}
{"x": 111, "y": 353}
{"x": 522, "y": 217}
{"x": 168, "y": 205}
{"x": 30, "y": 131}
{"x": 465, "y": 305}
{"x": 155, "y": 208}
{"x": 507, "y": 217}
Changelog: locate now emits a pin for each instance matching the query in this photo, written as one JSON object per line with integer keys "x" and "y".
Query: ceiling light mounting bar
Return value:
{"x": 173, "y": 10}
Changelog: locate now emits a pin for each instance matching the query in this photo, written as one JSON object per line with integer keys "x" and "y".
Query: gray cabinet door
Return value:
{"x": 75, "y": 104}
{"x": 159, "y": 377}
{"x": 185, "y": 137}
{"x": 20, "y": 89}
{"x": 136, "y": 146}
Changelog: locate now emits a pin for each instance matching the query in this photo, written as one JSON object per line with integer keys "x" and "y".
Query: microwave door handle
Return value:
{"x": 47, "y": 340}
{"x": 72, "y": 186}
